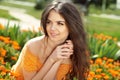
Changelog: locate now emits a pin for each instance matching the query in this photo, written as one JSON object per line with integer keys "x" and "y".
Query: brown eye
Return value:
{"x": 48, "y": 22}
{"x": 61, "y": 24}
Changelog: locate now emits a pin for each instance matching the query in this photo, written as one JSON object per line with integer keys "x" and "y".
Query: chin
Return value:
{"x": 57, "y": 39}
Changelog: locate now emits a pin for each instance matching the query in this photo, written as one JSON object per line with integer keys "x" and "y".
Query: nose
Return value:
{"x": 53, "y": 27}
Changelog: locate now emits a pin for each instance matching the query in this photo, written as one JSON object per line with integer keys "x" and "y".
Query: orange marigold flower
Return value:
{"x": 3, "y": 52}
{"x": 102, "y": 74}
{"x": 91, "y": 74}
{"x": 104, "y": 58}
{"x": 106, "y": 77}
{"x": 1, "y": 58}
{"x": 3, "y": 73}
{"x": 2, "y": 38}
{"x": 1, "y": 26}
{"x": 14, "y": 43}
{"x": 7, "y": 41}
{"x": 110, "y": 65}
{"x": 14, "y": 74}
{"x": 98, "y": 76}
{"x": 16, "y": 47}
{"x": 98, "y": 61}
{"x": 2, "y": 68}
{"x": 98, "y": 70}
{"x": 110, "y": 60}
{"x": 90, "y": 78}
{"x": 115, "y": 39}
{"x": 118, "y": 70}
{"x": 24, "y": 30}
{"x": 113, "y": 72}
{"x": 91, "y": 61}
{"x": 14, "y": 58}
{"x": 109, "y": 37}
{"x": 40, "y": 28}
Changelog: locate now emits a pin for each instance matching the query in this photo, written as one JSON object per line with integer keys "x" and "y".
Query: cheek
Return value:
{"x": 47, "y": 29}
{"x": 65, "y": 32}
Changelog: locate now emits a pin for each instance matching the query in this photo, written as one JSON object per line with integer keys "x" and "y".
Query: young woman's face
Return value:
{"x": 56, "y": 27}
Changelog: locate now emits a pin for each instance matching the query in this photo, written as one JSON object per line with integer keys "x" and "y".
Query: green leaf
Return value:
{"x": 117, "y": 55}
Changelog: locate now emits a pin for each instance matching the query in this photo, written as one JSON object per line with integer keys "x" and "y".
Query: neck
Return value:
{"x": 50, "y": 46}
{"x": 53, "y": 44}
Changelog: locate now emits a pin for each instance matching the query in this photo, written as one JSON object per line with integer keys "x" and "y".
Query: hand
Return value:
{"x": 63, "y": 51}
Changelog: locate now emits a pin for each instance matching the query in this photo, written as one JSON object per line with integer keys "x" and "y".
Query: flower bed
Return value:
{"x": 104, "y": 69}
{"x": 101, "y": 68}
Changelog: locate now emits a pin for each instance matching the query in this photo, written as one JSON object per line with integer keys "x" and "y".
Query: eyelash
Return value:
{"x": 47, "y": 22}
{"x": 60, "y": 23}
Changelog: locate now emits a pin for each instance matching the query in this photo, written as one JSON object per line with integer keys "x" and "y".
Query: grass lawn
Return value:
{"x": 103, "y": 25}
{"x": 29, "y": 0}
{"x": 5, "y": 14}
{"x": 30, "y": 10}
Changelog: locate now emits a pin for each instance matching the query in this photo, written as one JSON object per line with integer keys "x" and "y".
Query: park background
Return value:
{"x": 20, "y": 21}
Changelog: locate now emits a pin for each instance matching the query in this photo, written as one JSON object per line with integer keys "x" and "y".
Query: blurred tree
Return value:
{"x": 40, "y": 4}
{"x": 104, "y": 5}
{"x": 84, "y": 5}
{"x": 101, "y": 3}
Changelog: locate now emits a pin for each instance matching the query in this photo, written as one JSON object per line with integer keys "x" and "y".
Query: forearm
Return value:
{"x": 51, "y": 75}
{"x": 43, "y": 71}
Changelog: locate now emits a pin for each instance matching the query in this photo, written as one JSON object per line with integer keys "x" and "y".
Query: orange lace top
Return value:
{"x": 30, "y": 62}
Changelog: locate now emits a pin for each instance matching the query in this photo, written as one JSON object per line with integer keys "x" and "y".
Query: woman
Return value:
{"x": 60, "y": 54}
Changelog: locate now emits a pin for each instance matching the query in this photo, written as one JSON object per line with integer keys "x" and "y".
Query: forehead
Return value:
{"x": 55, "y": 16}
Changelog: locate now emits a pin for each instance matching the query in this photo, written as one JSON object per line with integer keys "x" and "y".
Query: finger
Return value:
{"x": 66, "y": 55}
{"x": 63, "y": 46}
{"x": 69, "y": 42}
{"x": 69, "y": 46}
{"x": 66, "y": 46}
{"x": 63, "y": 57}
{"x": 66, "y": 50}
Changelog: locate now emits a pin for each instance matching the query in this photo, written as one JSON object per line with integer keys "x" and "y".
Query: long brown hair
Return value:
{"x": 77, "y": 35}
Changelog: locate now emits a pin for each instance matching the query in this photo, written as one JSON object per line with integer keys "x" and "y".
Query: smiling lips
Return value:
{"x": 53, "y": 34}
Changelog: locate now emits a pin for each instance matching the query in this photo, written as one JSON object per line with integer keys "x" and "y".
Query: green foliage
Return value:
{"x": 111, "y": 10}
{"x": 12, "y": 39}
{"x": 40, "y": 4}
{"x": 104, "y": 69}
{"x": 15, "y": 34}
{"x": 103, "y": 25}
{"x": 103, "y": 46}
{"x": 8, "y": 56}
{"x": 29, "y": 9}
{"x": 5, "y": 14}
{"x": 10, "y": 52}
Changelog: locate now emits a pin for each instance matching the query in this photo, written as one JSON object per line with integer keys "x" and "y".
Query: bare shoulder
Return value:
{"x": 35, "y": 44}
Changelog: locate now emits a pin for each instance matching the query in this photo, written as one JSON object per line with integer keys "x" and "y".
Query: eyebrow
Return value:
{"x": 57, "y": 21}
